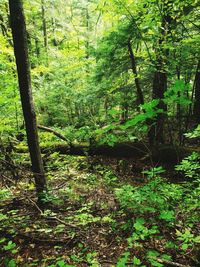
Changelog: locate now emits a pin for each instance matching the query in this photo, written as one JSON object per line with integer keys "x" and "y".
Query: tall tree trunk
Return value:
{"x": 156, "y": 132}
{"x": 134, "y": 70}
{"x": 179, "y": 111}
{"x": 23, "y": 68}
{"x": 196, "y": 109}
{"x": 44, "y": 28}
{"x": 124, "y": 106}
{"x": 87, "y": 18}
{"x": 55, "y": 43}
{"x": 35, "y": 37}
{"x": 3, "y": 27}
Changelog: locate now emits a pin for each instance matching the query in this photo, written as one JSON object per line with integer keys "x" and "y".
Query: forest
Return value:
{"x": 100, "y": 133}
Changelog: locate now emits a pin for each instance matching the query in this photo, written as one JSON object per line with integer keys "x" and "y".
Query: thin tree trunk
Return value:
{"x": 35, "y": 37}
{"x": 3, "y": 27}
{"x": 87, "y": 18}
{"x": 134, "y": 69}
{"x": 5, "y": 30}
{"x": 44, "y": 28}
{"x": 55, "y": 43}
{"x": 125, "y": 106}
{"x": 23, "y": 68}
{"x": 179, "y": 111}
{"x": 196, "y": 109}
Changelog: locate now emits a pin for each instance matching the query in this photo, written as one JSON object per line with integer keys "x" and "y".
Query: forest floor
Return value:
{"x": 85, "y": 222}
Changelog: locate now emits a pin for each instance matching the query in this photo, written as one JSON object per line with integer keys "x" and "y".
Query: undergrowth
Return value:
{"x": 92, "y": 216}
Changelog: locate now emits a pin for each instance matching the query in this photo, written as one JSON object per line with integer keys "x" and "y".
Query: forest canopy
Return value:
{"x": 94, "y": 63}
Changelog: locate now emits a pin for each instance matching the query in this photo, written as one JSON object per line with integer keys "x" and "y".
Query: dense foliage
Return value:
{"x": 94, "y": 63}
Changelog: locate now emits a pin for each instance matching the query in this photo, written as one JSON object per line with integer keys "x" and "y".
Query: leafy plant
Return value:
{"x": 152, "y": 258}
{"x": 141, "y": 231}
{"x": 167, "y": 215}
{"x": 92, "y": 259}
{"x": 61, "y": 263}
{"x": 155, "y": 196}
{"x": 3, "y": 217}
{"x": 10, "y": 247}
{"x": 151, "y": 112}
{"x": 194, "y": 134}
{"x": 177, "y": 94}
{"x": 137, "y": 262}
{"x": 190, "y": 166}
{"x": 121, "y": 262}
{"x": 153, "y": 172}
{"x": 188, "y": 239}
{"x": 110, "y": 178}
{"x": 10, "y": 262}
{"x": 4, "y": 194}
{"x": 85, "y": 217}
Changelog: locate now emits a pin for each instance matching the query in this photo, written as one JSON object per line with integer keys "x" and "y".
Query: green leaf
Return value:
{"x": 122, "y": 261}
{"x": 152, "y": 253}
{"x": 184, "y": 246}
{"x": 167, "y": 215}
{"x": 61, "y": 263}
{"x": 197, "y": 239}
{"x": 136, "y": 261}
{"x": 166, "y": 257}
{"x": 10, "y": 263}
{"x": 3, "y": 217}
{"x": 9, "y": 246}
{"x": 139, "y": 224}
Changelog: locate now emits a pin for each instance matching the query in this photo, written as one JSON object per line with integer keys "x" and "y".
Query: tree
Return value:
{"x": 18, "y": 27}
{"x": 137, "y": 52}
{"x": 196, "y": 109}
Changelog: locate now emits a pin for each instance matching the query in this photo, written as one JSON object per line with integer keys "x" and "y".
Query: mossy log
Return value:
{"x": 160, "y": 153}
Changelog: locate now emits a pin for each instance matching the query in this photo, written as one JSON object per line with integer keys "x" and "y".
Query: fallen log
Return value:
{"x": 118, "y": 150}
{"x": 160, "y": 153}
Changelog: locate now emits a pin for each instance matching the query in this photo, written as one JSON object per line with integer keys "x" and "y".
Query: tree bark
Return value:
{"x": 44, "y": 28}
{"x": 18, "y": 27}
{"x": 196, "y": 109}
{"x": 55, "y": 43}
{"x": 156, "y": 132}
{"x": 134, "y": 69}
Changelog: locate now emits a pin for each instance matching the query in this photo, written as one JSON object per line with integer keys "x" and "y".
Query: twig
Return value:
{"x": 109, "y": 262}
{"x": 47, "y": 129}
{"x": 169, "y": 262}
{"x": 36, "y": 240}
{"x": 63, "y": 222}
{"x": 60, "y": 185}
{"x": 114, "y": 263}
{"x": 35, "y": 204}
